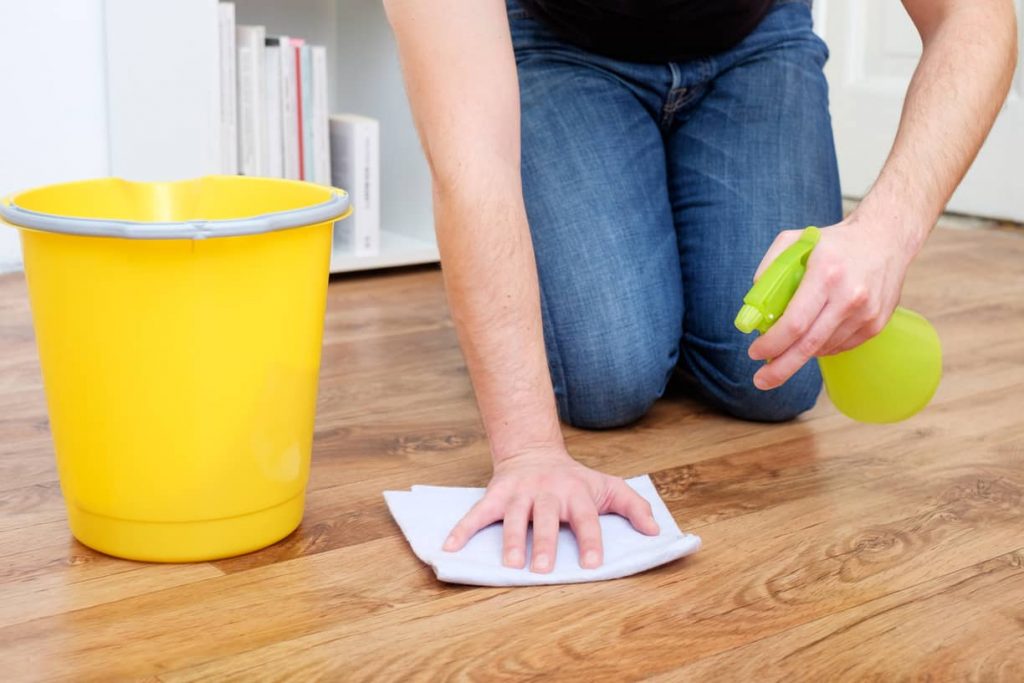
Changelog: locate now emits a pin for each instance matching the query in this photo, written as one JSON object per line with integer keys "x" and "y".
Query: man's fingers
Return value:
{"x": 857, "y": 338}
{"x": 517, "y": 519}
{"x": 782, "y": 241}
{"x": 545, "y": 533}
{"x": 775, "y": 373}
{"x": 628, "y": 503}
{"x": 585, "y": 525}
{"x": 843, "y": 333}
{"x": 804, "y": 308}
{"x": 487, "y": 511}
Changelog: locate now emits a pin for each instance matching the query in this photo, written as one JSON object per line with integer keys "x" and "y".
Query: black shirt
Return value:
{"x": 650, "y": 30}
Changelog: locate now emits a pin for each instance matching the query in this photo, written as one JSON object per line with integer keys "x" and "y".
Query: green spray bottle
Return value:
{"x": 888, "y": 378}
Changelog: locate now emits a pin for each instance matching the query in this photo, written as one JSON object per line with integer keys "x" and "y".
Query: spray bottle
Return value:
{"x": 888, "y": 378}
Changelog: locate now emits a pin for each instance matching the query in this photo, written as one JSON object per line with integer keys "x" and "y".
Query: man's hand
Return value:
{"x": 549, "y": 487}
{"x": 855, "y": 274}
{"x": 851, "y": 287}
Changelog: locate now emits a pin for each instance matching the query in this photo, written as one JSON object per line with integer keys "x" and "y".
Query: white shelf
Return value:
{"x": 395, "y": 250}
{"x": 364, "y": 77}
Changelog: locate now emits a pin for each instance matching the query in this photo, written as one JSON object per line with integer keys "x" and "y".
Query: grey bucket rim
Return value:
{"x": 335, "y": 208}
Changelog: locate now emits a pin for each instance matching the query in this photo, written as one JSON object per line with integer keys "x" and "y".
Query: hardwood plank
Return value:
{"x": 152, "y": 632}
{"x": 906, "y": 635}
{"x": 84, "y": 579}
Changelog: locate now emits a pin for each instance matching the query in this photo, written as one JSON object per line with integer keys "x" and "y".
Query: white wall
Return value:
{"x": 105, "y": 88}
{"x": 53, "y": 116}
{"x": 875, "y": 49}
{"x": 163, "y": 94}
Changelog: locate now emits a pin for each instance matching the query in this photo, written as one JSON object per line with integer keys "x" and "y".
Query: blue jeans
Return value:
{"x": 653, "y": 191}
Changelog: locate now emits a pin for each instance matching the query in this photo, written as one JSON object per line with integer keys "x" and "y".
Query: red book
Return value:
{"x": 296, "y": 44}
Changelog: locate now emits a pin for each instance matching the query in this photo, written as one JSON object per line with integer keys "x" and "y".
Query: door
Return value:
{"x": 874, "y": 48}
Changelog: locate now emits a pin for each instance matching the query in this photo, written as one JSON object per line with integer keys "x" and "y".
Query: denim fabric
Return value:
{"x": 653, "y": 191}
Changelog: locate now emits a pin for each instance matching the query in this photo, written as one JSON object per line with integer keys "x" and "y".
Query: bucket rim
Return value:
{"x": 336, "y": 207}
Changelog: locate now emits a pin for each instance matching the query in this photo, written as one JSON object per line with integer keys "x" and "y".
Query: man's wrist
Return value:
{"x": 504, "y": 446}
{"x": 903, "y": 228}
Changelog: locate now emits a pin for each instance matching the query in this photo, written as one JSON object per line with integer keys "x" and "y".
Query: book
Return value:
{"x": 289, "y": 116}
{"x": 321, "y": 133}
{"x": 300, "y": 130}
{"x": 306, "y": 108}
{"x": 355, "y": 167}
{"x": 228, "y": 93}
{"x": 274, "y": 104}
{"x": 252, "y": 123}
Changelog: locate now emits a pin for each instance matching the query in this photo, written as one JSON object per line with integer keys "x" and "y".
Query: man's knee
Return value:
{"x": 728, "y": 381}
{"x": 602, "y": 393}
{"x": 784, "y": 403}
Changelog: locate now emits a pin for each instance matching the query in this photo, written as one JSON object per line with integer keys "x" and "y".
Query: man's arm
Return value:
{"x": 460, "y": 75}
{"x": 855, "y": 274}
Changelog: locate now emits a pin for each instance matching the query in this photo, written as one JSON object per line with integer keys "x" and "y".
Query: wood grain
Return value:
{"x": 833, "y": 550}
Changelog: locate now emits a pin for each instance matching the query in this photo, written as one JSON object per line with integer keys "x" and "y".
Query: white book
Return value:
{"x": 289, "y": 111}
{"x": 274, "y": 107}
{"x": 321, "y": 132}
{"x": 228, "y": 90}
{"x": 252, "y": 119}
{"x": 355, "y": 167}
{"x": 306, "y": 111}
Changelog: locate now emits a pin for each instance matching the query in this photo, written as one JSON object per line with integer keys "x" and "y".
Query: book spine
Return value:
{"x": 308, "y": 153}
{"x": 343, "y": 176}
{"x": 228, "y": 90}
{"x": 367, "y": 171}
{"x": 289, "y": 122}
{"x": 274, "y": 130}
{"x": 251, "y": 114}
{"x": 248, "y": 159}
{"x": 355, "y": 159}
{"x": 321, "y": 134}
{"x": 300, "y": 129}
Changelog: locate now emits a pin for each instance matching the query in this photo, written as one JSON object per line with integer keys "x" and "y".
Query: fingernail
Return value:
{"x": 514, "y": 558}
{"x": 590, "y": 559}
{"x": 540, "y": 563}
{"x": 449, "y": 543}
{"x": 653, "y": 525}
{"x": 760, "y": 383}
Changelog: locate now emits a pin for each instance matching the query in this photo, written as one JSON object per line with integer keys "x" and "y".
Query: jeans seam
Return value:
{"x": 672, "y": 97}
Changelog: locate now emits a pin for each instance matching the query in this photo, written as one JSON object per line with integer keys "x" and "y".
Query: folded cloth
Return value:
{"x": 426, "y": 515}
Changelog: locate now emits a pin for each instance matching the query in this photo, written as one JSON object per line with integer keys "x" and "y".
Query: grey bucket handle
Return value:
{"x": 334, "y": 208}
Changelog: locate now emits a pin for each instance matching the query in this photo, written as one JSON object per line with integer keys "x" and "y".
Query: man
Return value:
{"x": 609, "y": 174}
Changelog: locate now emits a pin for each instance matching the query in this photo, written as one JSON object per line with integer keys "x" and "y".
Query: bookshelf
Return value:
{"x": 365, "y": 78}
{"x": 141, "y": 80}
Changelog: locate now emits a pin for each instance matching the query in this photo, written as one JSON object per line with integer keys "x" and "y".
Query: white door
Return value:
{"x": 874, "y": 48}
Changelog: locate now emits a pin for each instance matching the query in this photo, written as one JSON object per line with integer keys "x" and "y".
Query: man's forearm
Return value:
{"x": 493, "y": 294}
{"x": 957, "y": 90}
{"x": 461, "y": 79}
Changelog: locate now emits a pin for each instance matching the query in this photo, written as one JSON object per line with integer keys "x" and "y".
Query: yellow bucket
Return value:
{"x": 179, "y": 328}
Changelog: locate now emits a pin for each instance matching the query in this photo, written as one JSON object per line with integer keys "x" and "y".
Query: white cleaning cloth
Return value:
{"x": 427, "y": 514}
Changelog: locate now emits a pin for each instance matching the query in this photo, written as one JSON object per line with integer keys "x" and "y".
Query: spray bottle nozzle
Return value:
{"x": 767, "y": 299}
{"x": 748, "y": 319}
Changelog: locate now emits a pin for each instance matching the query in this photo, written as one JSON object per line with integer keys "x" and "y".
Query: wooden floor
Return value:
{"x": 832, "y": 550}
